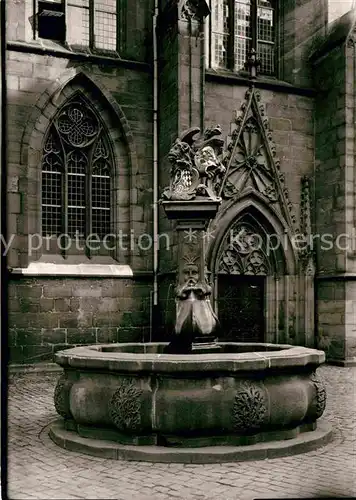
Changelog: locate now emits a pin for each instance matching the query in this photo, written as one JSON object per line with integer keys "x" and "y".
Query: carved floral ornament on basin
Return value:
{"x": 239, "y": 395}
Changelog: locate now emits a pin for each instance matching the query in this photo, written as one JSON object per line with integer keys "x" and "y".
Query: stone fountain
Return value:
{"x": 194, "y": 399}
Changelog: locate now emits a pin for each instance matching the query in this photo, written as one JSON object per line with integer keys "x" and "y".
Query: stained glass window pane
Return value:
{"x": 52, "y": 171}
{"x": 101, "y": 185}
{"x": 105, "y": 24}
{"x": 266, "y": 37}
{"x": 52, "y": 189}
{"x": 76, "y": 148}
{"x": 77, "y": 163}
{"x": 220, "y": 34}
{"x": 51, "y": 220}
{"x": 78, "y": 22}
{"x": 242, "y": 49}
{"x": 266, "y": 54}
{"x": 76, "y": 221}
{"x": 243, "y": 33}
{"x": 76, "y": 190}
{"x": 101, "y": 222}
{"x": 101, "y": 192}
{"x": 243, "y": 18}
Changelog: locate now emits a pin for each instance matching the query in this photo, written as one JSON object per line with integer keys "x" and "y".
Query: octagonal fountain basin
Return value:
{"x": 224, "y": 402}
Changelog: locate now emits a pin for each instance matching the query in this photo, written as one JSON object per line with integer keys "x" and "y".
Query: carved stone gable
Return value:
{"x": 251, "y": 162}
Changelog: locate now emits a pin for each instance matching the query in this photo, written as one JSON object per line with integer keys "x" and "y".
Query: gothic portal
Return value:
{"x": 263, "y": 281}
{"x": 245, "y": 263}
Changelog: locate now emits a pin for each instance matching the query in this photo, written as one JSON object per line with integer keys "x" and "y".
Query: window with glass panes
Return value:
{"x": 77, "y": 169}
{"x": 237, "y": 26}
{"x": 88, "y": 23}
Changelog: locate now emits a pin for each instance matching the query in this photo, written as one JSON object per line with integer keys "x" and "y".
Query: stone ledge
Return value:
{"x": 39, "y": 368}
{"x": 130, "y": 357}
{"x": 260, "y": 82}
{"x": 36, "y": 47}
{"x": 344, "y": 363}
{"x": 303, "y": 443}
{"x": 336, "y": 277}
{"x": 82, "y": 270}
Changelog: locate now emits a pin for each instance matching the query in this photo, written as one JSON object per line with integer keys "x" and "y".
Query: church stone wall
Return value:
{"x": 302, "y": 23}
{"x": 45, "y": 313}
{"x": 288, "y": 312}
{"x": 50, "y": 314}
{"x": 335, "y": 198}
{"x": 313, "y": 131}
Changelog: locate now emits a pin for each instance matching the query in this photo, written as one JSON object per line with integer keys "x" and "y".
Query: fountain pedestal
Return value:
{"x": 196, "y": 321}
{"x": 191, "y": 201}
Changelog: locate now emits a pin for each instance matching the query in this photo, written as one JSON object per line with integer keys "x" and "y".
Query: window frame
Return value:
{"x": 91, "y": 46}
{"x": 36, "y": 23}
{"x": 254, "y": 38}
{"x": 52, "y": 241}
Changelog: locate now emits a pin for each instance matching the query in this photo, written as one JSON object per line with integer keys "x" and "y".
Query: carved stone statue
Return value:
{"x": 195, "y": 316}
{"x": 194, "y": 308}
{"x": 191, "y": 199}
{"x": 196, "y": 166}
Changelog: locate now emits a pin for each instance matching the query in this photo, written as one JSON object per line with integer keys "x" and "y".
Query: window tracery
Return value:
{"x": 76, "y": 174}
{"x": 244, "y": 252}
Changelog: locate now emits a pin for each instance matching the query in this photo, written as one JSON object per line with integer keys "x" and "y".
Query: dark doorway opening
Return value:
{"x": 241, "y": 307}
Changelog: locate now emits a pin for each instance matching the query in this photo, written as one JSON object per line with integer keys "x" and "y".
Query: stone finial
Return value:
{"x": 253, "y": 63}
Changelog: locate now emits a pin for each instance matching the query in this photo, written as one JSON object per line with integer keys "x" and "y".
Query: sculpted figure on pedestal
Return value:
{"x": 194, "y": 311}
{"x": 195, "y": 316}
{"x": 196, "y": 165}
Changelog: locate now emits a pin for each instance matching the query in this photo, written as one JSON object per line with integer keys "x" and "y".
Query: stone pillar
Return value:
{"x": 191, "y": 200}
{"x": 335, "y": 188}
{"x": 191, "y": 251}
{"x": 182, "y": 67}
{"x": 180, "y": 30}
{"x": 195, "y": 319}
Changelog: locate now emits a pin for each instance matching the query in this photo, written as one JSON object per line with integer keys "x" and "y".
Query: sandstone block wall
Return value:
{"x": 334, "y": 74}
{"x": 48, "y": 314}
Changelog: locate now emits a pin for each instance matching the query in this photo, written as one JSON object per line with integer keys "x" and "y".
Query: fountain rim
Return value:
{"x": 90, "y": 357}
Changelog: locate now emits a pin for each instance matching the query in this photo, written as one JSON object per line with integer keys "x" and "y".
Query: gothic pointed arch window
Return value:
{"x": 77, "y": 174}
{"x": 237, "y": 26}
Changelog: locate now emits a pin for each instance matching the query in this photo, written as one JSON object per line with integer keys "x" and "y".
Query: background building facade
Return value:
{"x": 97, "y": 92}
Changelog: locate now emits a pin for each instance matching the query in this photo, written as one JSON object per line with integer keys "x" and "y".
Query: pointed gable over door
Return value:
{"x": 251, "y": 161}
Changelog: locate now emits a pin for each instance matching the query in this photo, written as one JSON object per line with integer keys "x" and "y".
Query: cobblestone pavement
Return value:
{"x": 37, "y": 468}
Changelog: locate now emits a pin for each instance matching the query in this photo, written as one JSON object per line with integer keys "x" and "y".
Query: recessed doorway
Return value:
{"x": 241, "y": 307}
